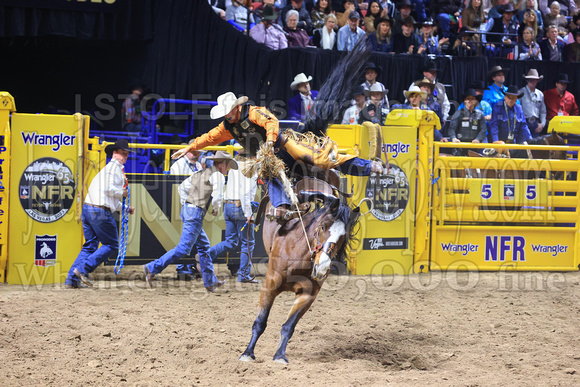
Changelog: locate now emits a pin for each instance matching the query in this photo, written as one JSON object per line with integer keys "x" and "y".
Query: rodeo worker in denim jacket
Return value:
{"x": 201, "y": 186}
{"x": 99, "y": 226}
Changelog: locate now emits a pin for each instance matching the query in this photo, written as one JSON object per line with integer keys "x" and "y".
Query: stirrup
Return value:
{"x": 282, "y": 215}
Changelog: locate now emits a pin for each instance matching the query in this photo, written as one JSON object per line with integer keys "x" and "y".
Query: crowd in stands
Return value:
{"x": 514, "y": 29}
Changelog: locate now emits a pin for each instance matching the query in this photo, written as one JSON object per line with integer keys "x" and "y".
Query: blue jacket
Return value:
{"x": 296, "y": 108}
{"x": 500, "y": 129}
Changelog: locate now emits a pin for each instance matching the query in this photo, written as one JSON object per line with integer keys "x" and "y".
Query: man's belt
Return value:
{"x": 237, "y": 203}
{"x": 103, "y": 207}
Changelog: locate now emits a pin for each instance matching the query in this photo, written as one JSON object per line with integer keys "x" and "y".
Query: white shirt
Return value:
{"x": 217, "y": 181}
{"x": 183, "y": 166}
{"x": 241, "y": 188}
{"x": 106, "y": 189}
{"x": 351, "y": 115}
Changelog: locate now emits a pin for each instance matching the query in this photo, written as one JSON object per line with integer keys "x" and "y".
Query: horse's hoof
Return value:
{"x": 281, "y": 360}
{"x": 245, "y": 357}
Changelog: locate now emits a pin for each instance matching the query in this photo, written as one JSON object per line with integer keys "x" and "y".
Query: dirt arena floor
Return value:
{"x": 438, "y": 329}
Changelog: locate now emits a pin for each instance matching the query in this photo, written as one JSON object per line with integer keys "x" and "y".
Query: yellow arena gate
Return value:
{"x": 504, "y": 213}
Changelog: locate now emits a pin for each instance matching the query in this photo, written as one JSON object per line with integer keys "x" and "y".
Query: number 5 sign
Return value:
{"x": 511, "y": 192}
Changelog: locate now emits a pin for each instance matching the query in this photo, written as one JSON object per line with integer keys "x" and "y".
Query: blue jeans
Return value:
{"x": 353, "y": 167}
{"x": 236, "y": 237}
{"x": 98, "y": 226}
{"x": 191, "y": 234}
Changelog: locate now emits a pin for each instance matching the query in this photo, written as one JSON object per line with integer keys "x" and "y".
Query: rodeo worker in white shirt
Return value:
{"x": 352, "y": 113}
{"x": 99, "y": 226}
{"x": 201, "y": 186}
{"x": 240, "y": 191}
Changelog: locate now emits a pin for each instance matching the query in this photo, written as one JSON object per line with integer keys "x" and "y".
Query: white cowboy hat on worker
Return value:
{"x": 300, "y": 78}
{"x": 225, "y": 103}
{"x": 224, "y": 156}
{"x": 415, "y": 90}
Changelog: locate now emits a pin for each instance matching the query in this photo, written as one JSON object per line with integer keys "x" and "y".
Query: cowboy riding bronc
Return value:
{"x": 251, "y": 126}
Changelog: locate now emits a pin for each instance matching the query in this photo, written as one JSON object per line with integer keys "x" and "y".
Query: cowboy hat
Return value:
{"x": 477, "y": 85}
{"x": 507, "y": 8}
{"x": 376, "y": 88}
{"x": 563, "y": 78}
{"x": 408, "y": 20}
{"x": 427, "y": 22}
{"x": 372, "y": 66}
{"x": 225, "y": 104}
{"x": 381, "y": 19}
{"x": 414, "y": 90}
{"x": 425, "y": 82}
{"x": 471, "y": 93}
{"x": 533, "y": 74}
{"x": 404, "y": 3}
{"x": 430, "y": 66}
{"x": 300, "y": 78}
{"x": 496, "y": 69}
{"x": 224, "y": 156}
{"x": 268, "y": 13}
{"x": 358, "y": 90}
{"x": 120, "y": 144}
{"x": 513, "y": 90}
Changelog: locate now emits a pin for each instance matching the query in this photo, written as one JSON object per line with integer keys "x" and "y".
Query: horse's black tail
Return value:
{"x": 337, "y": 90}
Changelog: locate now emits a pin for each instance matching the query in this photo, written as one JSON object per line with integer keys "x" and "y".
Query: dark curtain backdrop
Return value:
{"x": 62, "y": 60}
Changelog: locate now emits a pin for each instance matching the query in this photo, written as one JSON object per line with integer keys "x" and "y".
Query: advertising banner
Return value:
{"x": 45, "y": 233}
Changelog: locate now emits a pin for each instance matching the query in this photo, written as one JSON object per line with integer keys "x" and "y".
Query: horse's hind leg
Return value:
{"x": 302, "y": 303}
{"x": 266, "y": 301}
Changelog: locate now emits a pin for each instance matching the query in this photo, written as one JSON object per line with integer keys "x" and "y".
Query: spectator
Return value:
{"x": 466, "y": 45}
{"x": 371, "y": 73}
{"x": 555, "y": 18}
{"x": 531, "y": 20}
{"x": 415, "y": 97}
{"x": 350, "y": 34}
{"x": 404, "y": 7}
{"x": 389, "y": 7}
{"x": 268, "y": 32}
{"x": 239, "y": 193}
{"x": 318, "y": 15}
{"x": 531, "y": 5}
{"x": 428, "y": 87}
{"x": 297, "y": 37}
{"x": 447, "y": 13}
{"x": 326, "y": 37}
{"x": 505, "y": 28}
{"x": 300, "y": 104}
{"x": 495, "y": 92}
{"x": 495, "y": 11}
{"x": 508, "y": 123}
{"x": 430, "y": 73}
{"x": 304, "y": 21}
{"x": 131, "y": 110}
{"x": 560, "y": 102}
{"x": 483, "y": 106}
{"x": 533, "y": 103}
{"x": 219, "y": 7}
{"x": 238, "y": 16}
{"x": 380, "y": 40}
{"x": 528, "y": 48}
{"x": 565, "y": 7}
{"x": 351, "y": 115}
{"x": 572, "y": 50}
{"x": 344, "y": 17}
{"x": 99, "y": 226}
{"x": 430, "y": 43}
{"x": 375, "y": 111}
{"x": 374, "y": 13}
{"x": 468, "y": 123}
{"x": 407, "y": 42}
{"x": 552, "y": 47}
{"x": 472, "y": 17}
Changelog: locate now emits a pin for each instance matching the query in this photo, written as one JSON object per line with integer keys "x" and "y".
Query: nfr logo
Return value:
{"x": 497, "y": 249}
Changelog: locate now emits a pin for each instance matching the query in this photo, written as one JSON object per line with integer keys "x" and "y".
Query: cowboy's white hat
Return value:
{"x": 414, "y": 90}
{"x": 376, "y": 88}
{"x": 225, "y": 103}
{"x": 300, "y": 78}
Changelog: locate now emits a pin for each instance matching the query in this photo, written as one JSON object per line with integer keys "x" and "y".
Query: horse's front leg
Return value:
{"x": 301, "y": 304}
{"x": 267, "y": 297}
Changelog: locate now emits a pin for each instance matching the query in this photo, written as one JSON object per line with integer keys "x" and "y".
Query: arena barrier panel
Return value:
{"x": 45, "y": 232}
{"x": 509, "y": 214}
{"x": 389, "y": 240}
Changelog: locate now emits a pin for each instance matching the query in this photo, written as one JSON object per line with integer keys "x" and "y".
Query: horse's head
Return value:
{"x": 331, "y": 237}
